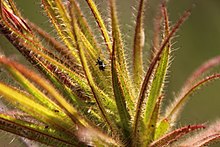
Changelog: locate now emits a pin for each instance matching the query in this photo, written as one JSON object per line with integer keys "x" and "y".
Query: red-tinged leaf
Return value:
{"x": 15, "y": 21}
{"x": 14, "y": 8}
{"x": 157, "y": 33}
{"x": 174, "y": 108}
{"x": 149, "y": 73}
{"x": 69, "y": 60}
{"x": 206, "y": 137}
{"x": 175, "y": 135}
{"x": 159, "y": 76}
{"x": 18, "y": 71}
{"x": 41, "y": 57}
{"x": 205, "y": 67}
{"x": 26, "y": 126}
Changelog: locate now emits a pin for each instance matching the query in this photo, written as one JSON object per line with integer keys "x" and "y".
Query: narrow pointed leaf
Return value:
{"x": 205, "y": 137}
{"x": 149, "y": 73}
{"x": 162, "y": 128}
{"x": 139, "y": 39}
{"x": 35, "y": 53}
{"x": 59, "y": 47}
{"x": 175, "y": 135}
{"x": 13, "y": 7}
{"x": 90, "y": 51}
{"x": 158, "y": 80}
{"x": 84, "y": 26}
{"x": 60, "y": 19}
{"x": 12, "y": 20}
{"x": 199, "y": 72}
{"x": 174, "y": 109}
{"x": 120, "y": 96}
{"x": 120, "y": 58}
{"x": 71, "y": 112}
{"x": 101, "y": 24}
{"x": 94, "y": 89}
{"x": 41, "y": 133}
{"x": 94, "y": 71}
{"x": 150, "y": 129}
{"x": 36, "y": 93}
{"x": 157, "y": 32}
{"x": 23, "y": 102}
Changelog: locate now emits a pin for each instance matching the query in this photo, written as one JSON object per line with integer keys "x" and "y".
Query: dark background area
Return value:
{"x": 197, "y": 41}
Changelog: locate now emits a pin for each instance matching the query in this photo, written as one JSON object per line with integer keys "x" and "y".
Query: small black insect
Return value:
{"x": 101, "y": 64}
{"x": 56, "y": 110}
{"x": 46, "y": 127}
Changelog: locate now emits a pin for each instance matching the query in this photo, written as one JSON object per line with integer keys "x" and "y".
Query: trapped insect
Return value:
{"x": 101, "y": 64}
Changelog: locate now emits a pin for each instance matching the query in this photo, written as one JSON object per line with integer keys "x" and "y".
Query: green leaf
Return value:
{"x": 120, "y": 96}
{"x": 61, "y": 21}
{"x": 120, "y": 59}
{"x": 157, "y": 82}
{"x": 162, "y": 128}
{"x": 24, "y": 102}
{"x": 138, "y": 45}
{"x": 151, "y": 128}
{"x": 93, "y": 86}
{"x": 61, "y": 49}
{"x": 35, "y": 131}
{"x": 16, "y": 68}
{"x": 101, "y": 24}
{"x": 40, "y": 56}
{"x": 145, "y": 84}
{"x": 84, "y": 26}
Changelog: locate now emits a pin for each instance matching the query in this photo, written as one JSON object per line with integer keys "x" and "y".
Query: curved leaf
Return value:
{"x": 206, "y": 137}
{"x": 41, "y": 133}
{"x": 175, "y": 135}
{"x": 174, "y": 109}
{"x": 205, "y": 67}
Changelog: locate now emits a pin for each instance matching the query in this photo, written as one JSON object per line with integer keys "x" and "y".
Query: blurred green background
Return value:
{"x": 197, "y": 41}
